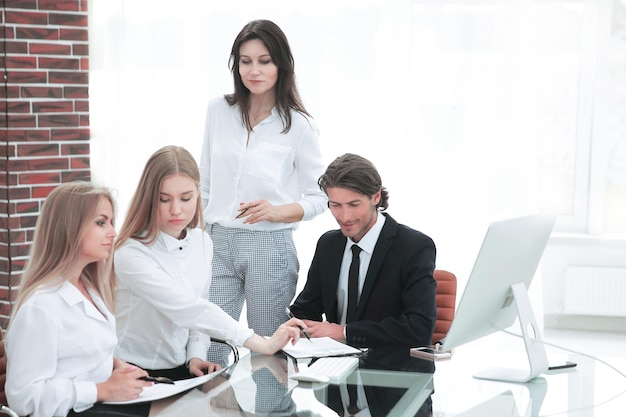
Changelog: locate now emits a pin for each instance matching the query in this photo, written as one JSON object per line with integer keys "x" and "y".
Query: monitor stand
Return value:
{"x": 537, "y": 359}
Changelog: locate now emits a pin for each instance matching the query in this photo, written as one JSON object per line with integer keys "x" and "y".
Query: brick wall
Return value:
{"x": 44, "y": 119}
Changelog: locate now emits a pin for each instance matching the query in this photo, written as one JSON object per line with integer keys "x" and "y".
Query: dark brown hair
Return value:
{"x": 355, "y": 173}
{"x": 286, "y": 92}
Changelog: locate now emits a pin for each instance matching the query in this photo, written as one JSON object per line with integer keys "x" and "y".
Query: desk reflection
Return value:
{"x": 374, "y": 396}
{"x": 388, "y": 382}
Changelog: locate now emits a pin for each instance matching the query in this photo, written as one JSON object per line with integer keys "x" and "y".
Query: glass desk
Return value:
{"x": 394, "y": 384}
{"x": 591, "y": 389}
{"x": 259, "y": 385}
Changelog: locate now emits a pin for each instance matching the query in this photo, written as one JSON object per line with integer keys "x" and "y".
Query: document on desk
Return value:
{"x": 160, "y": 391}
{"x": 319, "y": 347}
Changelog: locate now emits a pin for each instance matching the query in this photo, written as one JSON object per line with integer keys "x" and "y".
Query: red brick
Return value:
{"x": 17, "y": 165}
{"x": 40, "y": 178}
{"x": 12, "y": 91}
{"x": 27, "y": 207}
{"x": 27, "y": 77}
{"x": 20, "y": 4}
{"x": 21, "y": 62}
{"x": 58, "y": 5}
{"x": 80, "y": 49}
{"x": 74, "y": 34}
{"x": 15, "y": 106}
{"x": 9, "y": 32}
{"x": 65, "y": 19}
{"x": 14, "y": 47}
{"x": 45, "y": 149}
{"x": 25, "y": 222}
{"x": 76, "y": 175}
{"x": 71, "y": 77}
{"x": 46, "y": 33}
{"x": 8, "y": 180}
{"x": 7, "y": 151}
{"x": 84, "y": 64}
{"x": 81, "y": 105}
{"x": 38, "y": 135}
{"x": 59, "y": 63}
{"x": 42, "y": 192}
{"x": 26, "y": 18}
{"x": 18, "y": 193}
{"x": 48, "y": 164}
{"x": 19, "y": 236}
{"x": 75, "y": 149}
{"x": 55, "y": 120}
{"x": 62, "y": 135}
{"x": 75, "y": 92}
{"x": 84, "y": 120}
{"x": 15, "y": 120}
{"x": 53, "y": 106}
{"x": 52, "y": 92}
{"x": 49, "y": 49}
{"x": 79, "y": 163}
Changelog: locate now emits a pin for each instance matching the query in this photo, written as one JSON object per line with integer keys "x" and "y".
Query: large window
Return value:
{"x": 472, "y": 110}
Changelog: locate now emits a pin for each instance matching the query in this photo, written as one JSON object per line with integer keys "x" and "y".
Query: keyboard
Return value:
{"x": 331, "y": 369}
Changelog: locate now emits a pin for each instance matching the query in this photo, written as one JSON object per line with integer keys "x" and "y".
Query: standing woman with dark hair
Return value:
{"x": 61, "y": 337}
{"x": 259, "y": 168}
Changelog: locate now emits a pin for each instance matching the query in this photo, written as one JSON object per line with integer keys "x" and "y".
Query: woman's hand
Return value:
{"x": 261, "y": 210}
{"x": 198, "y": 367}
{"x": 286, "y": 332}
{"x": 123, "y": 384}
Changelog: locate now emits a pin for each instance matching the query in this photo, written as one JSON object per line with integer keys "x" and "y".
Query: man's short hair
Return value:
{"x": 357, "y": 174}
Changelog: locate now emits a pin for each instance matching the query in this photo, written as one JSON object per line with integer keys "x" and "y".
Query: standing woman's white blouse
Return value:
{"x": 162, "y": 308}
{"x": 59, "y": 346}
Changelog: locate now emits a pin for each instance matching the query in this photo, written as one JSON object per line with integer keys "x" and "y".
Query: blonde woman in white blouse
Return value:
{"x": 61, "y": 336}
{"x": 163, "y": 273}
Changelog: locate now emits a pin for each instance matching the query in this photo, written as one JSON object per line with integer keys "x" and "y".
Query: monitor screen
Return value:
{"x": 509, "y": 254}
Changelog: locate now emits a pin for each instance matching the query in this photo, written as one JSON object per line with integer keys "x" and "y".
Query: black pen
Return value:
{"x": 157, "y": 379}
{"x": 242, "y": 212}
{"x": 299, "y": 327}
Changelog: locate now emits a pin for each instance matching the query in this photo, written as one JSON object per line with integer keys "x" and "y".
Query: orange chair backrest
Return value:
{"x": 446, "y": 303}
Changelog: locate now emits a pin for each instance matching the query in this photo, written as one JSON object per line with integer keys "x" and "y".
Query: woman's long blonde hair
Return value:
{"x": 62, "y": 224}
{"x": 142, "y": 222}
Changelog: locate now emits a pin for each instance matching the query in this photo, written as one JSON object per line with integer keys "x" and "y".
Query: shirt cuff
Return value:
{"x": 86, "y": 395}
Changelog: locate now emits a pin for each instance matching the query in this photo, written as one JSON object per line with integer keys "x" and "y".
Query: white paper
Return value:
{"x": 319, "y": 347}
{"x": 160, "y": 391}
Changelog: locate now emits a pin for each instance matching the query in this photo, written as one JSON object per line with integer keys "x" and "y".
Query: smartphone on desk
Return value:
{"x": 427, "y": 352}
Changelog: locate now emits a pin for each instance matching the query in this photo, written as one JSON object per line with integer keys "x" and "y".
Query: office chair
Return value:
{"x": 446, "y": 302}
{"x": 232, "y": 347}
{"x": 3, "y": 378}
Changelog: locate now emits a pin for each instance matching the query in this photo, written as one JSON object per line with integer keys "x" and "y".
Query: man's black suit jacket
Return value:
{"x": 397, "y": 304}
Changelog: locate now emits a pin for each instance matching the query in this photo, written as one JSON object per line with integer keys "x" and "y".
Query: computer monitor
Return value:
{"x": 496, "y": 292}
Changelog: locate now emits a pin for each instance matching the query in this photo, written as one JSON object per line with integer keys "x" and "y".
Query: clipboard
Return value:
{"x": 319, "y": 347}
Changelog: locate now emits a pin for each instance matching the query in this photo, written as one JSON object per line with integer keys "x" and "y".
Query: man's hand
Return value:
{"x": 324, "y": 328}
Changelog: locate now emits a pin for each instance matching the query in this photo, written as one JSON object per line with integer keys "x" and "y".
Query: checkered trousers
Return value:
{"x": 258, "y": 267}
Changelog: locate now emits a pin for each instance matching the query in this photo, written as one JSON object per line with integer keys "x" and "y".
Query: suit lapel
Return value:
{"x": 385, "y": 240}
{"x": 331, "y": 270}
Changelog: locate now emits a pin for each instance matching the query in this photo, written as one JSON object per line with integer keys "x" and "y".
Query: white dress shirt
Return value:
{"x": 367, "y": 244}
{"x": 58, "y": 347}
{"x": 162, "y": 308}
{"x": 280, "y": 167}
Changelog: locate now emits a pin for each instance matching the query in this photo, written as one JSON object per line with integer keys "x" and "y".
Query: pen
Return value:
{"x": 299, "y": 327}
{"x": 157, "y": 379}
{"x": 242, "y": 212}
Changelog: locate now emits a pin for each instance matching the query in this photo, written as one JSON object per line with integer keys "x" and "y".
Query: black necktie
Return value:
{"x": 353, "y": 284}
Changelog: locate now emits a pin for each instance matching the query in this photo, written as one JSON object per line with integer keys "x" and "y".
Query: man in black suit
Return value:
{"x": 394, "y": 298}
